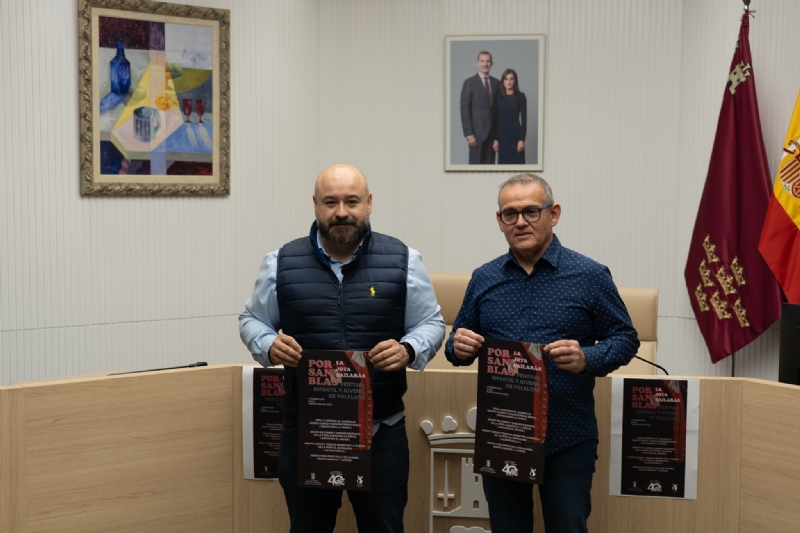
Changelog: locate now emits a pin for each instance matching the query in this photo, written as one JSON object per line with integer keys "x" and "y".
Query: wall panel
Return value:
{"x": 97, "y": 284}
{"x": 631, "y": 103}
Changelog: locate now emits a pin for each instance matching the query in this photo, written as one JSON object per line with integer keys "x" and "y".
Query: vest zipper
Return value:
{"x": 341, "y": 319}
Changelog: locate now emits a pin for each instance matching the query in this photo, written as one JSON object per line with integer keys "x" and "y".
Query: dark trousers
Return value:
{"x": 379, "y": 510}
{"x": 483, "y": 154}
{"x": 565, "y": 494}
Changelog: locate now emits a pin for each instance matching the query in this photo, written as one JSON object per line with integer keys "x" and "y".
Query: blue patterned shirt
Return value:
{"x": 566, "y": 296}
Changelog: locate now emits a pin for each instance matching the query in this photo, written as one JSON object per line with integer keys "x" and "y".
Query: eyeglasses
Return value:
{"x": 530, "y": 214}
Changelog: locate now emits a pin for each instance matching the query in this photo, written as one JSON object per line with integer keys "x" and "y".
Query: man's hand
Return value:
{"x": 496, "y": 146}
{"x": 466, "y": 343}
{"x": 472, "y": 142}
{"x": 567, "y": 355}
{"x": 389, "y": 355}
{"x": 520, "y": 146}
{"x": 285, "y": 351}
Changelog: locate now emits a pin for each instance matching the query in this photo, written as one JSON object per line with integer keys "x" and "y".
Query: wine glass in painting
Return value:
{"x": 200, "y": 107}
{"x": 187, "y": 107}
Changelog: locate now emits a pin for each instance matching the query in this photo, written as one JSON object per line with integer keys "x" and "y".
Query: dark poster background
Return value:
{"x": 267, "y": 419}
{"x": 335, "y": 424}
{"x": 512, "y": 411}
{"x": 654, "y": 437}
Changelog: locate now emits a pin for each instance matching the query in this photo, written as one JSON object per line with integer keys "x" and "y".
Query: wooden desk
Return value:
{"x": 162, "y": 452}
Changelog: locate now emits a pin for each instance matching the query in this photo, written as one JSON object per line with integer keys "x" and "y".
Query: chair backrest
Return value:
{"x": 642, "y": 304}
{"x": 450, "y": 289}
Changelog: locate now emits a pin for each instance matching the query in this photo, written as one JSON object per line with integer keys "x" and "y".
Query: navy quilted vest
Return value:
{"x": 367, "y": 308}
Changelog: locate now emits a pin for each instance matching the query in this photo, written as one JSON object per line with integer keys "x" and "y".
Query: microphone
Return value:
{"x": 200, "y": 363}
{"x": 652, "y": 363}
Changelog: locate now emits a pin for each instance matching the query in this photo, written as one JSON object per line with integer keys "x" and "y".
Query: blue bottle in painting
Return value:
{"x": 120, "y": 72}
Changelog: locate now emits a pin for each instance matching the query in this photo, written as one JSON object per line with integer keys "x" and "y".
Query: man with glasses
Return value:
{"x": 344, "y": 287}
{"x": 545, "y": 293}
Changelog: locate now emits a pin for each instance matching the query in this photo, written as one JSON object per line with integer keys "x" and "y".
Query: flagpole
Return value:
{"x": 733, "y": 365}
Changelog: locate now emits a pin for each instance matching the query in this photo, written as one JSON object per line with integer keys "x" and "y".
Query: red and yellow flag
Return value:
{"x": 734, "y": 295}
{"x": 780, "y": 237}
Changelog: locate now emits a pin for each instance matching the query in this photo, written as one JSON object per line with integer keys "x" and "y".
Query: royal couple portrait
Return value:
{"x": 494, "y": 115}
{"x": 494, "y": 93}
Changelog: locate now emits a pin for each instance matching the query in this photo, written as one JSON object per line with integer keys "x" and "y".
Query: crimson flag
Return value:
{"x": 734, "y": 295}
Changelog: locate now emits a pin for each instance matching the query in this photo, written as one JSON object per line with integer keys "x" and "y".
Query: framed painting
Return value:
{"x": 154, "y": 98}
{"x": 494, "y": 103}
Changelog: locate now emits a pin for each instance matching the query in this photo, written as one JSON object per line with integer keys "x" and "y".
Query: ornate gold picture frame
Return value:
{"x": 154, "y": 98}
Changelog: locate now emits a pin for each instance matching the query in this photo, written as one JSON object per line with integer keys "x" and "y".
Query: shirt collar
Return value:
{"x": 323, "y": 254}
{"x": 550, "y": 256}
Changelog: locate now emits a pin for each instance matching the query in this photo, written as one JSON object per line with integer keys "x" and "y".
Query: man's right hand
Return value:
{"x": 472, "y": 142}
{"x": 285, "y": 351}
{"x": 466, "y": 343}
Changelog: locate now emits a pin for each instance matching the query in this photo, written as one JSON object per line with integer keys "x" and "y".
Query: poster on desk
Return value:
{"x": 334, "y": 431}
{"x": 654, "y": 437}
{"x": 511, "y": 424}
{"x": 262, "y": 397}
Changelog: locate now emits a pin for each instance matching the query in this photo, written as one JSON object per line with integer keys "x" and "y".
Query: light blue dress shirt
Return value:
{"x": 424, "y": 325}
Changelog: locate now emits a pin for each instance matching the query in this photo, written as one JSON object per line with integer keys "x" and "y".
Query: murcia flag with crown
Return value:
{"x": 734, "y": 295}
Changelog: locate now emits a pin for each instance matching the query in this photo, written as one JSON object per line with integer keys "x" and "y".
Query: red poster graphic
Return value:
{"x": 335, "y": 424}
{"x": 512, "y": 411}
{"x": 654, "y": 437}
{"x": 267, "y": 420}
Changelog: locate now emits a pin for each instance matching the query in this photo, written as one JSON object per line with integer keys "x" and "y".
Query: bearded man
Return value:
{"x": 345, "y": 287}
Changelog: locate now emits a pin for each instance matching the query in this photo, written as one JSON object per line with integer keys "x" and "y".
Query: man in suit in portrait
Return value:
{"x": 478, "y": 98}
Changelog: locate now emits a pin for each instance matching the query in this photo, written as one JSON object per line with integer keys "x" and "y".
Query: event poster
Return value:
{"x": 512, "y": 411}
{"x": 334, "y": 449}
{"x": 262, "y": 398}
{"x": 655, "y": 439}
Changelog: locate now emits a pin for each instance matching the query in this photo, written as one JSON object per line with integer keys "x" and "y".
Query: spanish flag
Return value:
{"x": 780, "y": 237}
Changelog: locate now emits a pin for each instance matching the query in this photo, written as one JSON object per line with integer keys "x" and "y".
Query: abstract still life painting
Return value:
{"x": 154, "y": 99}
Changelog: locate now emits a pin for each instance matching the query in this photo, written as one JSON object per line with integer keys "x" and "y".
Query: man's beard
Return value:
{"x": 346, "y": 231}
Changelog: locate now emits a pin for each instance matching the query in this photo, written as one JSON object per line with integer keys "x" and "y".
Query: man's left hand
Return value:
{"x": 389, "y": 355}
{"x": 567, "y": 355}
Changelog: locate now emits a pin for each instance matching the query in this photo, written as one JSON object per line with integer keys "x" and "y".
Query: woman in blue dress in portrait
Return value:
{"x": 510, "y": 122}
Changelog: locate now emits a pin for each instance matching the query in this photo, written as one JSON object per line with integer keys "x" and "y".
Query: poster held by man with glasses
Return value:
{"x": 512, "y": 410}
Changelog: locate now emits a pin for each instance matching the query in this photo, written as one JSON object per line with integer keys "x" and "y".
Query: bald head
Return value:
{"x": 342, "y": 205}
{"x": 341, "y": 175}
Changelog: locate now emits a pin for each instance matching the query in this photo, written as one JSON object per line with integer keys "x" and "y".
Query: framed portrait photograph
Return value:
{"x": 154, "y": 98}
{"x": 494, "y": 102}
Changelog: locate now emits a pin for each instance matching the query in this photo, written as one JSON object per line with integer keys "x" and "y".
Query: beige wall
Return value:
{"x": 631, "y": 101}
